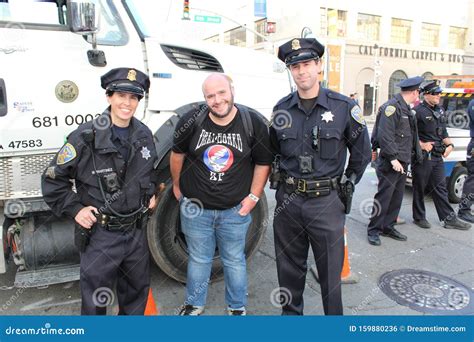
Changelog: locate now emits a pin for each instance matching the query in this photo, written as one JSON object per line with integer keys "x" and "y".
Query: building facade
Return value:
{"x": 371, "y": 46}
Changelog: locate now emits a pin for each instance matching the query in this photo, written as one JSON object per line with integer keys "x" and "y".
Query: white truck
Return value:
{"x": 52, "y": 54}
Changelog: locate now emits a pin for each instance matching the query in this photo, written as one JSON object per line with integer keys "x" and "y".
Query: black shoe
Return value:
{"x": 394, "y": 234}
{"x": 374, "y": 240}
{"x": 466, "y": 216}
{"x": 422, "y": 223}
{"x": 456, "y": 224}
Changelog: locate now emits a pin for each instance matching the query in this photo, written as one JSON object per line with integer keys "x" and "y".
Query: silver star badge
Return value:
{"x": 145, "y": 153}
{"x": 328, "y": 116}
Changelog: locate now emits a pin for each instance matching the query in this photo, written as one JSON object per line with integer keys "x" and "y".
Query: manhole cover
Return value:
{"x": 427, "y": 292}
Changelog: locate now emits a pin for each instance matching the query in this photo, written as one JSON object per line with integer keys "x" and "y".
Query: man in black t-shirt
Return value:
{"x": 219, "y": 171}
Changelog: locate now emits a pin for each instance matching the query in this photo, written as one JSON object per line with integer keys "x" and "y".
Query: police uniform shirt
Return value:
{"x": 120, "y": 140}
{"x": 339, "y": 125}
{"x": 74, "y": 161}
{"x": 470, "y": 111}
{"x": 394, "y": 130}
{"x": 219, "y": 163}
{"x": 431, "y": 122}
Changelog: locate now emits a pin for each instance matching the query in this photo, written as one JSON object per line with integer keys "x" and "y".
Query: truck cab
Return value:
{"x": 52, "y": 54}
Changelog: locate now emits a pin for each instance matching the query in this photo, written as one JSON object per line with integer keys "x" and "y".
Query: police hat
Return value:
{"x": 300, "y": 49}
{"x": 411, "y": 83}
{"x": 431, "y": 87}
{"x": 125, "y": 80}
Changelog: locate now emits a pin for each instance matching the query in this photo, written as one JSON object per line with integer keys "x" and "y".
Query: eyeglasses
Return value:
{"x": 434, "y": 94}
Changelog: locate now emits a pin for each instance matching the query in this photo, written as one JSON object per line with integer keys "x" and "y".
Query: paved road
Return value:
{"x": 447, "y": 252}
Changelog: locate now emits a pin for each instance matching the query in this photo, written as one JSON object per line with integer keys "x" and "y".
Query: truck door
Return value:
{"x": 47, "y": 84}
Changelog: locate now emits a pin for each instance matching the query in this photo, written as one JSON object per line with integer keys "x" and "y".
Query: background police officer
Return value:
{"x": 429, "y": 175}
{"x": 111, "y": 160}
{"x": 311, "y": 130}
{"x": 395, "y": 134}
{"x": 468, "y": 189}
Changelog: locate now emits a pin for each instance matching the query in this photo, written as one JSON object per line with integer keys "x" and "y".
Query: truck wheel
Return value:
{"x": 456, "y": 183}
{"x": 168, "y": 245}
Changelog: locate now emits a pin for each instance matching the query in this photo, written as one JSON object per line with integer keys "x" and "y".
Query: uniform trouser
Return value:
{"x": 388, "y": 199}
{"x": 468, "y": 189}
{"x": 429, "y": 178}
{"x": 298, "y": 222}
{"x": 120, "y": 258}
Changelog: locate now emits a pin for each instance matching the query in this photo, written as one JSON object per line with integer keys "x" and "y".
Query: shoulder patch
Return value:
{"x": 66, "y": 154}
{"x": 356, "y": 114}
{"x": 390, "y": 110}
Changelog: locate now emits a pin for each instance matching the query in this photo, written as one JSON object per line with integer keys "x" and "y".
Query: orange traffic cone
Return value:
{"x": 150, "y": 309}
{"x": 347, "y": 277}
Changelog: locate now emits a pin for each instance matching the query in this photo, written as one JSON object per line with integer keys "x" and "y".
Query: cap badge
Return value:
{"x": 132, "y": 75}
{"x": 295, "y": 44}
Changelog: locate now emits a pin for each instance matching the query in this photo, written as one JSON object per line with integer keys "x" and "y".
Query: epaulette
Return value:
{"x": 338, "y": 96}
{"x": 286, "y": 98}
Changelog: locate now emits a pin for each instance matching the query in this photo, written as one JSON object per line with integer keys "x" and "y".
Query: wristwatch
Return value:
{"x": 253, "y": 197}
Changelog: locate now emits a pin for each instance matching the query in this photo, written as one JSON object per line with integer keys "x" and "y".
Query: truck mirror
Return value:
{"x": 82, "y": 16}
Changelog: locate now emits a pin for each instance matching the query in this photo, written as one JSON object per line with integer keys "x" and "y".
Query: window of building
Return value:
{"x": 427, "y": 75}
{"x": 401, "y": 31}
{"x": 430, "y": 35}
{"x": 396, "y": 77}
{"x": 457, "y": 37}
{"x": 368, "y": 27}
{"x": 333, "y": 22}
{"x": 237, "y": 37}
{"x": 260, "y": 26}
{"x": 213, "y": 39}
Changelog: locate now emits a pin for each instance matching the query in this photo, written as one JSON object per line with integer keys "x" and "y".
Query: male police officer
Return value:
{"x": 429, "y": 175}
{"x": 468, "y": 189}
{"x": 111, "y": 160}
{"x": 311, "y": 131}
{"x": 396, "y": 135}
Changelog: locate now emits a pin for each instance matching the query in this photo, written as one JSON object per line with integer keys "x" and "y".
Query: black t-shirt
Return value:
{"x": 219, "y": 163}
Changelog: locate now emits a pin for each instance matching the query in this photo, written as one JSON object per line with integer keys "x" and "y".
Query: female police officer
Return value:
{"x": 111, "y": 161}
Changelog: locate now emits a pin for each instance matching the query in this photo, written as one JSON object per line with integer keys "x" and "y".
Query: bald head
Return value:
{"x": 217, "y": 77}
{"x": 218, "y": 92}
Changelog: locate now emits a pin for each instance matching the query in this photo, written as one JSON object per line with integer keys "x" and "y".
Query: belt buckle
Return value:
{"x": 301, "y": 185}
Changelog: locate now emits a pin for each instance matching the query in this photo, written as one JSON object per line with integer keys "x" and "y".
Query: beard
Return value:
{"x": 227, "y": 112}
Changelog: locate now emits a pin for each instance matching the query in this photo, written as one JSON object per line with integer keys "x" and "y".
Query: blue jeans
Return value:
{"x": 203, "y": 229}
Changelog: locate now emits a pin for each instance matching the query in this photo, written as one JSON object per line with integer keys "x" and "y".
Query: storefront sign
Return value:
{"x": 410, "y": 54}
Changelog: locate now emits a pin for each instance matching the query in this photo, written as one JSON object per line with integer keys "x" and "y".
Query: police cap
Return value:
{"x": 411, "y": 83}
{"x": 300, "y": 49}
{"x": 431, "y": 87}
{"x": 125, "y": 80}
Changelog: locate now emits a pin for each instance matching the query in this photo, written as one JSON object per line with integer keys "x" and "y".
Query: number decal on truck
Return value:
{"x": 25, "y": 143}
{"x": 69, "y": 120}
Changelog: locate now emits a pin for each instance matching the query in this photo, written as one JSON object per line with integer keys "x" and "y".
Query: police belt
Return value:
{"x": 116, "y": 223}
{"x": 316, "y": 187}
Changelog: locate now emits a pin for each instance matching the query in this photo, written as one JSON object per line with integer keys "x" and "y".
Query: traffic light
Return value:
{"x": 186, "y": 10}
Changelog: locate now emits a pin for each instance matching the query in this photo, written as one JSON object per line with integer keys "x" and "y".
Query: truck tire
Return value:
{"x": 168, "y": 246}
{"x": 455, "y": 184}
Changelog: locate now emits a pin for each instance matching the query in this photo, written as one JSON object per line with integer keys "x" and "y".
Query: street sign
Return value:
{"x": 207, "y": 19}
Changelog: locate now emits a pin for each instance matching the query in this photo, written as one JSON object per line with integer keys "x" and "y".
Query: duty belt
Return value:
{"x": 311, "y": 187}
{"x": 116, "y": 223}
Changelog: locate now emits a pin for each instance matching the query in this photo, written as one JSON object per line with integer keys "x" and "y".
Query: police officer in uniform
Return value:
{"x": 311, "y": 131}
{"x": 429, "y": 176}
{"x": 396, "y": 135}
{"x": 468, "y": 189}
{"x": 111, "y": 162}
